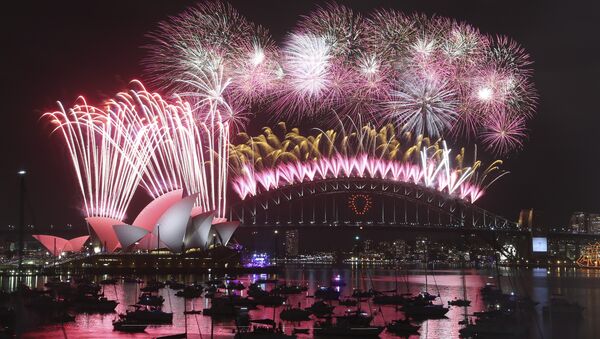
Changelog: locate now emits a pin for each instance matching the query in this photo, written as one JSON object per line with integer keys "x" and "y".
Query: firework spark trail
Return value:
{"x": 109, "y": 150}
{"x": 265, "y": 162}
{"x": 431, "y": 174}
{"x": 214, "y": 118}
{"x": 141, "y": 139}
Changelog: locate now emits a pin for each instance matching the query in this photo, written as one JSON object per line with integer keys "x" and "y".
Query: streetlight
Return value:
{"x": 21, "y": 174}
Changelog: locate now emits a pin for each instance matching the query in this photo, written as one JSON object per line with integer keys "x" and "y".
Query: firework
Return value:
{"x": 504, "y": 134}
{"x": 423, "y": 106}
{"x": 429, "y": 75}
{"x": 266, "y": 162}
{"x": 307, "y": 70}
{"x": 109, "y": 150}
{"x": 140, "y": 139}
{"x": 208, "y": 37}
{"x": 342, "y": 29}
{"x": 213, "y": 118}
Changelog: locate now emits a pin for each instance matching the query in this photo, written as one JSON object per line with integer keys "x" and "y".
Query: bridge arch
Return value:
{"x": 394, "y": 204}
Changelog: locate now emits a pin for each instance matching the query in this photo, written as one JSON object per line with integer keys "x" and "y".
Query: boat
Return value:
{"x": 193, "y": 312}
{"x": 426, "y": 296}
{"x": 176, "y": 285}
{"x": 150, "y": 288}
{"x": 459, "y": 302}
{"x": 190, "y": 292}
{"x": 215, "y": 282}
{"x": 220, "y": 307}
{"x": 355, "y": 318}
{"x": 320, "y": 308}
{"x": 497, "y": 326}
{"x": 61, "y": 317}
{"x": 402, "y": 327}
{"x": 124, "y": 325}
{"x": 88, "y": 288}
{"x": 294, "y": 314}
{"x": 255, "y": 291}
{"x": 149, "y": 315}
{"x": 327, "y": 293}
{"x": 359, "y": 294}
{"x": 7, "y": 317}
{"x": 237, "y": 286}
{"x": 348, "y": 302}
{"x": 345, "y": 330}
{"x": 174, "y": 336}
{"x": 241, "y": 301}
{"x": 337, "y": 281}
{"x": 261, "y": 332}
{"x": 269, "y": 300}
{"x": 148, "y": 299}
{"x": 94, "y": 304}
{"x": 429, "y": 311}
{"x": 266, "y": 281}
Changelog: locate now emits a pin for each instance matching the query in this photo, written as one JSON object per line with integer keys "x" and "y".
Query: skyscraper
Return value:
{"x": 291, "y": 243}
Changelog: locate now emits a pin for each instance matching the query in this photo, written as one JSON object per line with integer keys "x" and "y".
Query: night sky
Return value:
{"x": 57, "y": 50}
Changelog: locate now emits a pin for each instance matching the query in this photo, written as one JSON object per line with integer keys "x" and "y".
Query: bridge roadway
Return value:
{"x": 582, "y": 238}
{"x": 387, "y": 226}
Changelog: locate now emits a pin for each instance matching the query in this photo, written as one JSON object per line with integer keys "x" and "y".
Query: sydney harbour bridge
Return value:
{"x": 371, "y": 204}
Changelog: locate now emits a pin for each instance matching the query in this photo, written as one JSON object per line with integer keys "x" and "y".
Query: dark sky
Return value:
{"x": 57, "y": 50}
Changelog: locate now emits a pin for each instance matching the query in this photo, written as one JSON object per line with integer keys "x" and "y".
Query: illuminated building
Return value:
{"x": 583, "y": 222}
{"x": 291, "y": 243}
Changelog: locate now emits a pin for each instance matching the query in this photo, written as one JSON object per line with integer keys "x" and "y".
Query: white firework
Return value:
{"x": 423, "y": 106}
{"x": 307, "y": 64}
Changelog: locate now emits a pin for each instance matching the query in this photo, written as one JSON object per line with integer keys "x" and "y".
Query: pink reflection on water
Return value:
{"x": 448, "y": 282}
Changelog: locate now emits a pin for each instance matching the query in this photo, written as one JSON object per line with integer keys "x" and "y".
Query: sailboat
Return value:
{"x": 464, "y": 302}
{"x": 421, "y": 306}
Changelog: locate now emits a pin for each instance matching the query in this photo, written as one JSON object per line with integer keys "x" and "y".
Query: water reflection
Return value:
{"x": 578, "y": 285}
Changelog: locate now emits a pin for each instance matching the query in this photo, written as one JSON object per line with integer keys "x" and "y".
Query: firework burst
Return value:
{"x": 208, "y": 37}
{"x": 444, "y": 77}
{"x": 266, "y": 162}
{"x": 109, "y": 149}
{"x": 423, "y": 106}
{"x": 504, "y": 134}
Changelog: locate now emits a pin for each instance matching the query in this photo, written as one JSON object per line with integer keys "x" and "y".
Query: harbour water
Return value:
{"x": 575, "y": 284}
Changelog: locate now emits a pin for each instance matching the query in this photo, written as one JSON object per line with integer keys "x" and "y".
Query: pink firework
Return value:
{"x": 341, "y": 27}
{"x": 255, "y": 71}
{"x": 389, "y": 33}
{"x": 503, "y": 133}
{"x": 447, "y": 78}
{"x": 433, "y": 172}
{"x": 507, "y": 54}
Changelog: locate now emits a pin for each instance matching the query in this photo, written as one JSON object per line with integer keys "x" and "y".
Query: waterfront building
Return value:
{"x": 292, "y": 243}
{"x": 421, "y": 248}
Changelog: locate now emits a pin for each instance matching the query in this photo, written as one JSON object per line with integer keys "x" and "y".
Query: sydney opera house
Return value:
{"x": 170, "y": 222}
